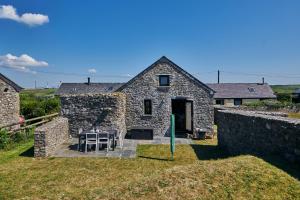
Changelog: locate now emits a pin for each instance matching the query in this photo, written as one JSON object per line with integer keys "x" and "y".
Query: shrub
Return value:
{"x": 269, "y": 104}
{"x": 32, "y": 106}
{"x": 8, "y": 141}
{"x": 5, "y": 139}
{"x": 284, "y": 97}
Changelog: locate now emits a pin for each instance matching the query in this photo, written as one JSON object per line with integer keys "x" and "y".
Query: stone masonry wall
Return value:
{"x": 9, "y": 104}
{"x": 246, "y": 132}
{"x": 50, "y": 135}
{"x": 89, "y": 110}
{"x": 147, "y": 87}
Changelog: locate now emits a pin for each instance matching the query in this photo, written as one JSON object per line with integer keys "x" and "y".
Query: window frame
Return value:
{"x": 221, "y": 101}
{"x": 163, "y": 76}
{"x": 237, "y": 99}
{"x": 151, "y": 110}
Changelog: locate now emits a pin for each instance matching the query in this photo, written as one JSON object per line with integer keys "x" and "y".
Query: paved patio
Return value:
{"x": 69, "y": 148}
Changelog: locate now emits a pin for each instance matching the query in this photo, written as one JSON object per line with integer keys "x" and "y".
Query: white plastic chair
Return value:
{"x": 90, "y": 139}
{"x": 103, "y": 138}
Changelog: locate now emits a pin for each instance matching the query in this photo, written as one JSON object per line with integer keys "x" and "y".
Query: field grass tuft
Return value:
{"x": 199, "y": 171}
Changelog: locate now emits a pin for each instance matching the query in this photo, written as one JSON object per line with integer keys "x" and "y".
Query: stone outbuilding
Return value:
{"x": 9, "y": 101}
{"x": 236, "y": 94}
{"x": 145, "y": 102}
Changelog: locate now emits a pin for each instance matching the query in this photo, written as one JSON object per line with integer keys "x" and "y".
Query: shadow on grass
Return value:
{"x": 209, "y": 152}
{"x": 213, "y": 152}
{"x": 293, "y": 169}
{"x": 28, "y": 152}
{"x": 154, "y": 158}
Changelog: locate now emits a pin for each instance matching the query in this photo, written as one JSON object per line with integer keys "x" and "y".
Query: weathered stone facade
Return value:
{"x": 246, "y": 132}
{"x": 50, "y": 135}
{"x": 89, "y": 110}
{"x": 147, "y": 86}
{"x": 9, "y": 104}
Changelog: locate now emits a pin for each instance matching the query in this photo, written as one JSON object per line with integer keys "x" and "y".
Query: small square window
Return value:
{"x": 147, "y": 107}
{"x": 220, "y": 101}
{"x": 164, "y": 80}
{"x": 238, "y": 102}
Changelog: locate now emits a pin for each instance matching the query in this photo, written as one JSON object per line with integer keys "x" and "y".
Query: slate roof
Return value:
{"x": 84, "y": 88}
{"x": 11, "y": 83}
{"x": 164, "y": 59}
{"x": 242, "y": 90}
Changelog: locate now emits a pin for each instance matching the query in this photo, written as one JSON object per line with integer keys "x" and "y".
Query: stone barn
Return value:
{"x": 142, "y": 106}
{"x": 9, "y": 101}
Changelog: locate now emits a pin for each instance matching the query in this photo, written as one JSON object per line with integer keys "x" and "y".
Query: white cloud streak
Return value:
{"x": 22, "y": 63}
{"x": 31, "y": 19}
{"x": 92, "y": 71}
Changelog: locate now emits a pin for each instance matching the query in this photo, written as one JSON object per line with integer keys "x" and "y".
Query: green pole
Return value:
{"x": 172, "y": 136}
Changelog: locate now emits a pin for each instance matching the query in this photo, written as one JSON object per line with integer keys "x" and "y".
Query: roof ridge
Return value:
{"x": 11, "y": 83}
{"x": 164, "y": 59}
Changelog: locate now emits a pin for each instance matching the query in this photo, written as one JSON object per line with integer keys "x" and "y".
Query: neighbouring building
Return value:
{"x": 296, "y": 96}
{"x": 9, "y": 101}
{"x": 235, "y": 94}
{"x": 143, "y": 105}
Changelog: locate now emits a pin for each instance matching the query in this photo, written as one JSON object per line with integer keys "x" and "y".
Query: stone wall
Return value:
{"x": 48, "y": 136}
{"x": 89, "y": 110}
{"x": 271, "y": 113}
{"x": 9, "y": 104}
{"x": 246, "y": 132}
{"x": 147, "y": 87}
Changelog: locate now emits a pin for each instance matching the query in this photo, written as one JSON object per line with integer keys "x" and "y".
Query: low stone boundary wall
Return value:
{"x": 246, "y": 132}
{"x": 271, "y": 113}
{"x": 48, "y": 136}
{"x": 86, "y": 111}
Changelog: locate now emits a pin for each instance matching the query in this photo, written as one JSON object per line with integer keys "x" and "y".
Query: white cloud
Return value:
{"x": 22, "y": 63}
{"x": 9, "y": 12}
{"x": 92, "y": 71}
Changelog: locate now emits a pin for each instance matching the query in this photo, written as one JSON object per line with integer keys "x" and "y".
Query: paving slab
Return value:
{"x": 69, "y": 148}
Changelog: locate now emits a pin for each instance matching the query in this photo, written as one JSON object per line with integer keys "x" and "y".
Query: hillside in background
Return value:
{"x": 284, "y": 88}
{"x": 38, "y": 102}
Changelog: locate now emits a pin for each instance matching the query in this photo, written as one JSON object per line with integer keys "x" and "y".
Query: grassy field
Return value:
{"x": 200, "y": 171}
{"x": 284, "y": 88}
{"x": 38, "y": 102}
{"x": 39, "y": 92}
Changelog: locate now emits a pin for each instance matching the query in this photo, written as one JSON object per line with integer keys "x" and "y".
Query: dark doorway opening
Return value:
{"x": 139, "y": 134}
{"x": 183, "y": 111}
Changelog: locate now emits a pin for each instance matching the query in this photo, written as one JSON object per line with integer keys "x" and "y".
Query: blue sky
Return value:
{"x": 244, "y": 39}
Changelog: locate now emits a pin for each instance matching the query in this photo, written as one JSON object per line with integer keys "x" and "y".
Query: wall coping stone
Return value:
{"x": 264, "y": 116}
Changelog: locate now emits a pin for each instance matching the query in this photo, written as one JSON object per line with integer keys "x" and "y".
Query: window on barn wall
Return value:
{"x": 238, "y": 102}
{"x": 220, "y": 101}
{"x": 164, "y": 80}
{"x": 147, "y": 107}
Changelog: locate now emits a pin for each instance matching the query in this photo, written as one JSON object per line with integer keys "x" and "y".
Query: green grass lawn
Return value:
{"x": 284, "y": 88}
{"x": 39, "y": 92}
{"x": 200, "y": 171}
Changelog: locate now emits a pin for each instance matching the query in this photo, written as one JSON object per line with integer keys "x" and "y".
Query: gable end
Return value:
{"x": 164, "y": 60}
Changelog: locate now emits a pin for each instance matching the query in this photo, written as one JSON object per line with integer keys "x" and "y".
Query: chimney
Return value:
{"x": 89, "y": 81}
{"x": 218, "y": 76}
